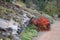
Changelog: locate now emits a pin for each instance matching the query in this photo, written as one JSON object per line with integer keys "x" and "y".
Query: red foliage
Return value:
{"x": 34, "y": 21}
{"x": 42, "y": 23}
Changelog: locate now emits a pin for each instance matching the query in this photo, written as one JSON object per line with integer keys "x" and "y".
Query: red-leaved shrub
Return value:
{"x": 42, "y": 23}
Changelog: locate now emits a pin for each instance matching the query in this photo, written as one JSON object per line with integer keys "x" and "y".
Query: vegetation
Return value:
{"x": 9, "y": 0}
{"x": 34, "y": 7}
{"x": 29, "y": 33}
{"x": 4, "y": 12}
{"x": 7, "y": 14}
{"x": 4, "y": 39}
{"x": 51, "y": 9}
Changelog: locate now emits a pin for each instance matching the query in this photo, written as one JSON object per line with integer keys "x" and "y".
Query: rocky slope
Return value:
{"x": 13, "y": 15}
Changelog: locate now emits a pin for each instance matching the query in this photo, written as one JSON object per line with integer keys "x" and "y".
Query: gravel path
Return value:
{"x": 54, "y": 34}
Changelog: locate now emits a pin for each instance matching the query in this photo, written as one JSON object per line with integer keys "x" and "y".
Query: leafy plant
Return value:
{"x": 51, "y": 19}
{"x": 29, "y": 33}
{"x": 42, "y": 23}
{"x": 51, "y": 9}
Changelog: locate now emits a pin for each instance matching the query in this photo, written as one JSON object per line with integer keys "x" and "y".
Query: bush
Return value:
{"x": 51, "y": 9}
{"x": 29, "y": 33}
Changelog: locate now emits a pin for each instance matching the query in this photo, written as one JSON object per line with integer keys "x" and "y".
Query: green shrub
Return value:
{"x": 51, "y": 9}
{"x": 29, "y": 33}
